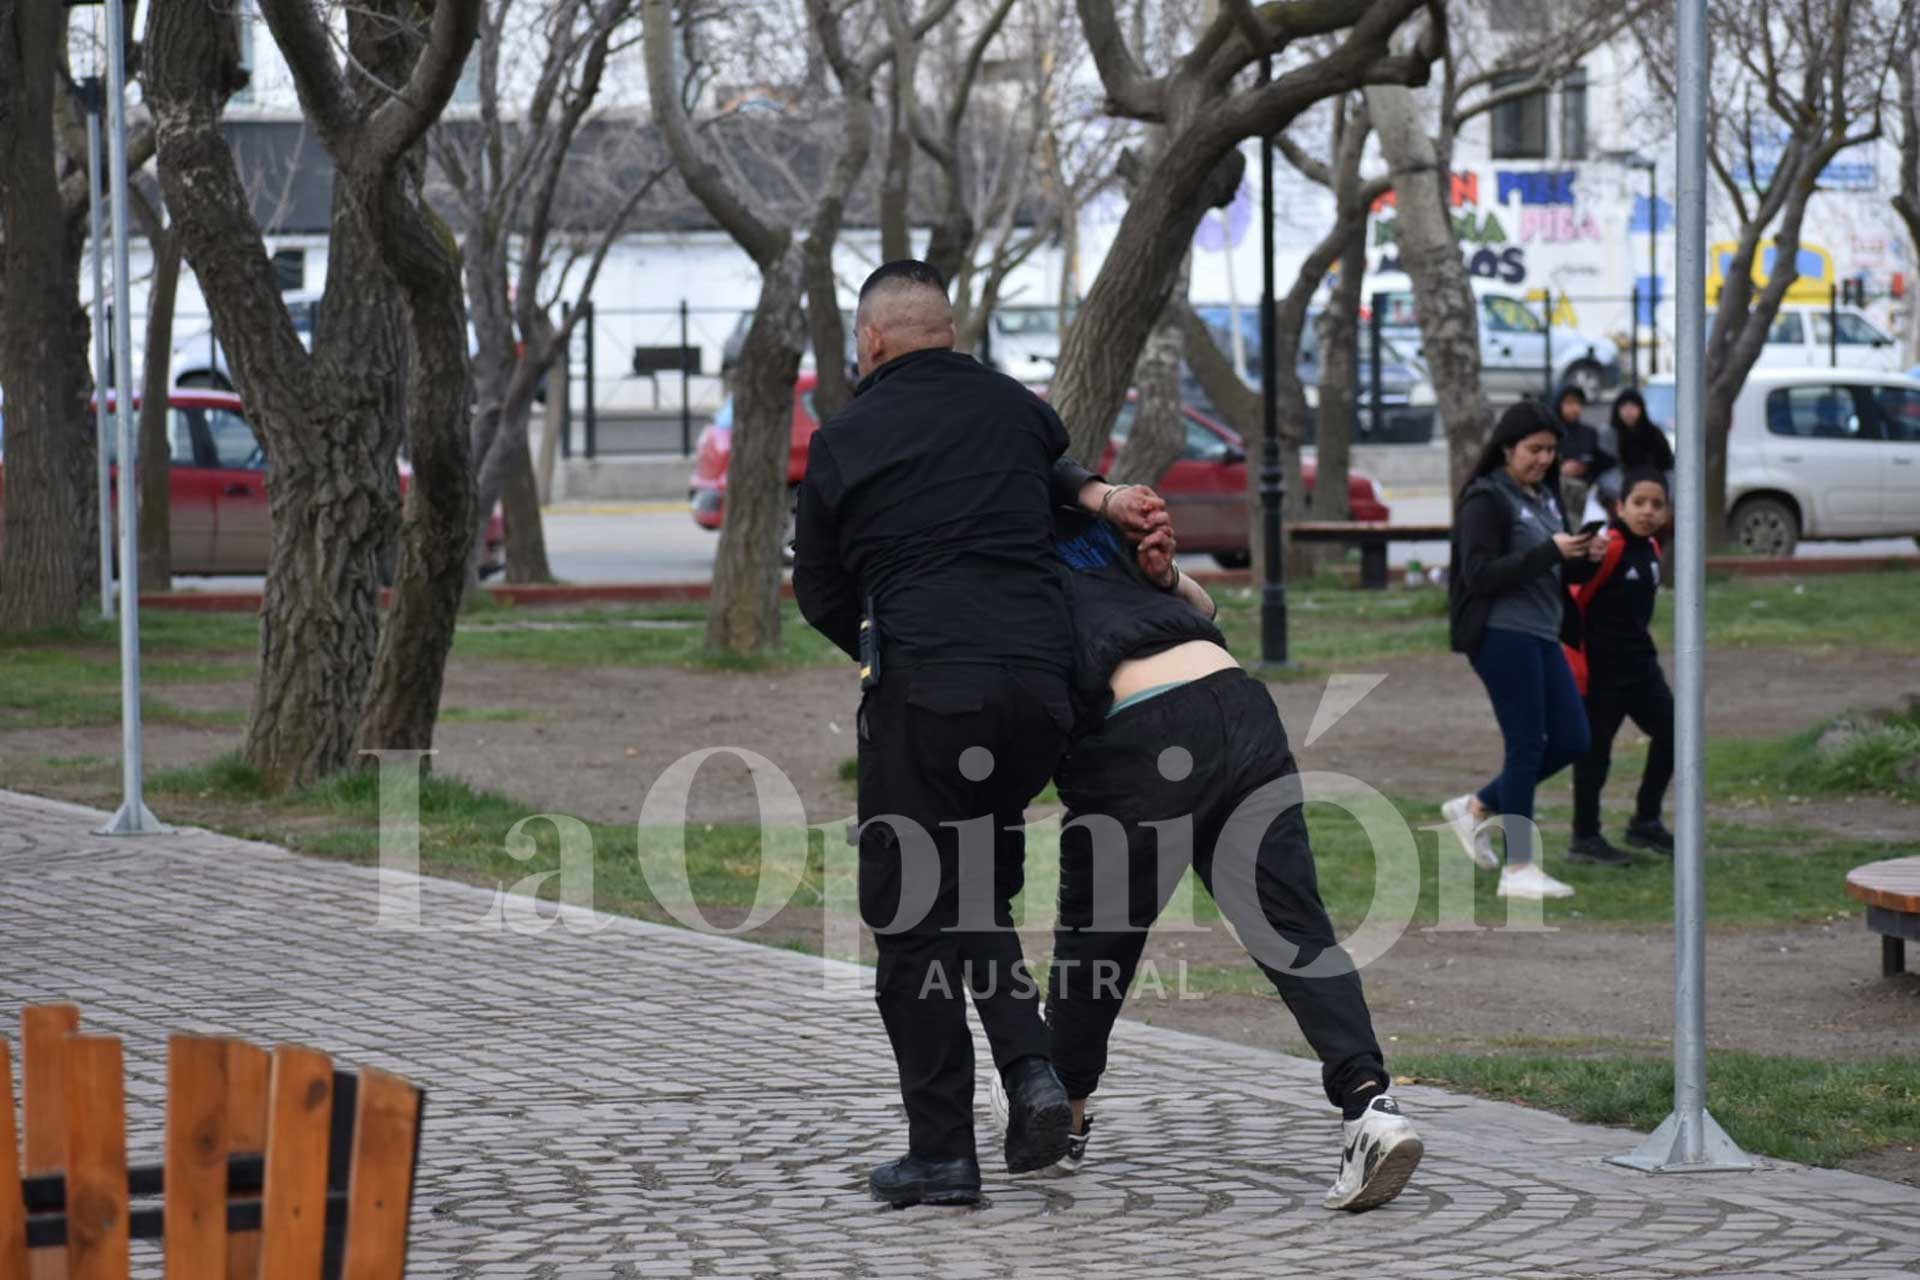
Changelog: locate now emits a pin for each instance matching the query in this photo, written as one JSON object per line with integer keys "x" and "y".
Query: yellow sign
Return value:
{"x": 1814, "y": 284}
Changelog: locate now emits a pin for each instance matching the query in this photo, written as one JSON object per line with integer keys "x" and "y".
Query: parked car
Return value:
{"x": 1205, "y": 489}
{"x": 1024, "y": 342}
{"x": 1817, "y": 454}
{"x": 1407, "y": 402}
{"x": 199, "y": 360}
{"x": 218, "y": 486}
{"x": 1513, "y": 341}
{"x": 1806, "y": 335}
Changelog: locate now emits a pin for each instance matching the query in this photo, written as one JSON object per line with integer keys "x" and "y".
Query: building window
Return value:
{"x": 1573, "y": 115}
{"x": 1519, "y": 124}
{"x": 290, "y": 269}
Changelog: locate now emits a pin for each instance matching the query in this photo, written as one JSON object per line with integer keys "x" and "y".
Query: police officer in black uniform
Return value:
{"x": 924, "y": 549}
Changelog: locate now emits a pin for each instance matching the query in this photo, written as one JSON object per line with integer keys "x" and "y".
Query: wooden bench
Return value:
{"x": 276, "y": 1165}
{"x": 1372, "y": 537}
{"x": 1891, "y": 892}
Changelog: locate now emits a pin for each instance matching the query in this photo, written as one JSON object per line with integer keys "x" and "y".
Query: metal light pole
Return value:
{"x": 133, "y": 817}
{"x": 89, "y": 90}
{"x": 1273, "y": 585}
{"x": 1653, "y": 267}
{"x": 1688, "y": 1140}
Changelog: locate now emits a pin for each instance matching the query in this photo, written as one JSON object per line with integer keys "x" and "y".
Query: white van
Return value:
{"x": 1817, "y": 453}
{"x": 1515, "y": 343}
{"x": 1808, "y": 335}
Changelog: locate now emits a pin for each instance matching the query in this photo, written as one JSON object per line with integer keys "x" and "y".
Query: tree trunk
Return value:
{"x": 1340, "y": 361}
{"x": 1159, "y": 432}
{"x": 1134, "y": 286}
{"x": 743, "y": 615}
{"x": 1449, "y": 317}
{"x": 403, "y": 701}
{"x": 156, "y": 455}
{"x": 520, "y": 503}
{"x": 50, "y": 535}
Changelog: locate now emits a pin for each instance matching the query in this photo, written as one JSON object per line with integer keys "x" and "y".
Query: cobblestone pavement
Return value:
{"x": 648, "y": 1101}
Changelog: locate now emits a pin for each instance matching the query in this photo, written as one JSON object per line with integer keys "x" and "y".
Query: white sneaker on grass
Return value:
{"x": 1076, "y": 1142}
{"x": 1475, "y": 836}
{"x": 1379, "y": 1153}
{"x": 1528, "y": 881}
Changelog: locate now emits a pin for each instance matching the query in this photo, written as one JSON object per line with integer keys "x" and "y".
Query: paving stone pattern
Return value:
{"x": 649, "y": 1101}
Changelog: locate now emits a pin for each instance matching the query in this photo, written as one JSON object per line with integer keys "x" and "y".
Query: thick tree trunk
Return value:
{"x": 50, "y": 537}
{"x": 1134, "y": 286}
{"x": 1159, "y": 432}
{"x": 832, "y": 388}
{"x": 403, "y": 701}
{"x": 743, "y": 616}
{"x": 1449, "y": 317}
{"x": 156, "y": 460}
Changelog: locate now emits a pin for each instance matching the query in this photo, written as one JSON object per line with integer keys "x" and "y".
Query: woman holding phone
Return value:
{"x": 1513, "y": 559}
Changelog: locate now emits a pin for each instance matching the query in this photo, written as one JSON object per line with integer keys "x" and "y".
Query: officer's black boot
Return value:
{"x": 1039, "y": 1117}
{"x": 917, "y": 1180}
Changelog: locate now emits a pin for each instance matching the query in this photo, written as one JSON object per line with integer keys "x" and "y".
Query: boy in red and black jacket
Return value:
{"x": 1618, "y": 670}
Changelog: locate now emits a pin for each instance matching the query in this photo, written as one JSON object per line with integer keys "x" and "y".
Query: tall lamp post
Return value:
{"x": 1273, "y": 582}
{"x": 1637, "y": 161}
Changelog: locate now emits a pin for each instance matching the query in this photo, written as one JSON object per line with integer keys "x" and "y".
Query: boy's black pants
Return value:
{"x": 943, "y": 923}
{"x": 1641, "y": 695}
{"x": 1197, "y": 751}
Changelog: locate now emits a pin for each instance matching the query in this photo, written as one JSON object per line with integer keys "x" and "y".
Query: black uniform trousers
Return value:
{"x": 949, "y": 757}
{"x": 1641, "y": 694}
{"x": 1208, "y": 750}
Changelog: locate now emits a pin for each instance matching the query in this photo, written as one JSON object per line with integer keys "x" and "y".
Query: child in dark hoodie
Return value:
{"x": 1618, "y": 670}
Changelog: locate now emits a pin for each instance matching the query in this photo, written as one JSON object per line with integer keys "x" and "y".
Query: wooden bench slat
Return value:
{"x": 98, "y": 1245}
{"x": 13, "y": 1208}
{"x": 294, "y": 1201}
{"x": 1893, "y": 884}
{"x": 248, "y": 1070}
{"x": 196, "y": 1168}
{"x": 380, "y": 1192}
{"x": 43, "y": 1051}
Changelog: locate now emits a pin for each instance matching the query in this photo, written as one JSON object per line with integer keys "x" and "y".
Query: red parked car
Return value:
{"x": 1205, "y": 489}
{"x": 218, "y": 482}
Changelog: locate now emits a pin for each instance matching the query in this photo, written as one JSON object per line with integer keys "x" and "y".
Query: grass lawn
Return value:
{"x": 1756, "y": 875}
{"x": 1796, "y": 1109}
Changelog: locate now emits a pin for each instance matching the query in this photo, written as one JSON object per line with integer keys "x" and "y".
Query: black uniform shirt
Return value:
{"x": 930, "y": 498}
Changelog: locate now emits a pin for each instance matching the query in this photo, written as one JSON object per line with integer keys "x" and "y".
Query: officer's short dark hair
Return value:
{"x": 903, "y": 271}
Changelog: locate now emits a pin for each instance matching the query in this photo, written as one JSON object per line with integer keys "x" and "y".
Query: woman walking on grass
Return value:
{"x": 1507, "y": 601}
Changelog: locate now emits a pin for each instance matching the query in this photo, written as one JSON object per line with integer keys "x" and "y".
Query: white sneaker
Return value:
{"x": 1529, "y": 881}
{"x": 1475, "y": 837}
{"x": 1076, "y": 1142}
{"x": 1379, "y": 1153}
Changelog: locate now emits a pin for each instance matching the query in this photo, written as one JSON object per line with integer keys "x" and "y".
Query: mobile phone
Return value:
{"x": 1592, "y": 527}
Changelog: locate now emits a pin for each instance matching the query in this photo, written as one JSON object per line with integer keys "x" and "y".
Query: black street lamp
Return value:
{"x": 1273, "y": 583}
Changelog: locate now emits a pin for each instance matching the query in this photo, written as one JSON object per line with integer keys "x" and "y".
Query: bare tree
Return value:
{"x": 1796, "y": 82}
{"x": 506, "y": 173}
{"x": 156, "y": 386}
{"x": 389, "y": 360}
{"x": 1354, "y": 196}
{"x": 51, "y": 531}
{"x": 744, "y": 614}
{"x": 1207, "y": 110}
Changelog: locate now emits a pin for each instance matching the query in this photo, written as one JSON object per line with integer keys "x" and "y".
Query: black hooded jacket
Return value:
{"x": 1642, "y": 446}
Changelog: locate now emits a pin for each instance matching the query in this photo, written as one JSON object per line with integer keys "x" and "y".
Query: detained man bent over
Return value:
{"x": 1168, "y": 727}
